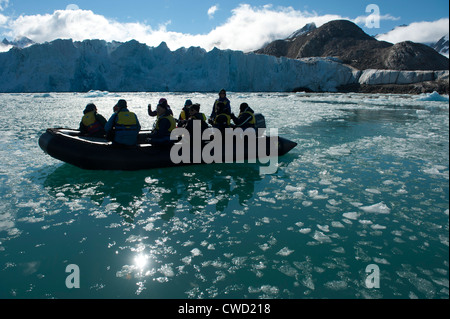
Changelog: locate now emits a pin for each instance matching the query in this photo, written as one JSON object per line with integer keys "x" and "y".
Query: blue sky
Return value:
{"x": 232, "y": 24}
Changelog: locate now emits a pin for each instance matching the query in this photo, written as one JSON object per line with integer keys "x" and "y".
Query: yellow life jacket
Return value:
{"x": 183, "y": 115}
{"x": 126, "y": 121}
{"x": 173, "y": 124}
{"x": 253, "y": 120}
{"x": 88, "y": 118}
{"x": 201, "y": 115}
{"x": 91, "y": 123}
{"x": 225, "y": 102}
{"x": 226, "y": 115}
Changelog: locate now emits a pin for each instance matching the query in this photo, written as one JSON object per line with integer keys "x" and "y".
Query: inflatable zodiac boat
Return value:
{"x": 70, "y": 146}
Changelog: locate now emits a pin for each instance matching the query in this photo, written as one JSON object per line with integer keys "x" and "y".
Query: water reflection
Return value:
{"x": 168, "y": 191}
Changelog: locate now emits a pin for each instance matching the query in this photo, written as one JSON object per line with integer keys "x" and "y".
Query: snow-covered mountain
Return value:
{"x": 305, "y": 30}
{"x": 22, "y": 42}
{"x": 64, "y": 65}
{"x": 442, "y": 46}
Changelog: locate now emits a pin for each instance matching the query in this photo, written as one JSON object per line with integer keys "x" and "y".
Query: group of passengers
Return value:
{"x": 123, "y": 126}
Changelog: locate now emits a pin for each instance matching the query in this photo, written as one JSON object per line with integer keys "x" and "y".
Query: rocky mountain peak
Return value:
{"x": 348, "y": 42}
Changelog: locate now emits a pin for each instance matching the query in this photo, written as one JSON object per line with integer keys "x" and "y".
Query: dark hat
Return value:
{"x": 243, "y": 106}
{"x": 121, "y": 104}
{"x": 223, "y": 91}
{"x": 89, "y": 108}
{"x": 162, "y": 102}
{"x": 195, "y": 106}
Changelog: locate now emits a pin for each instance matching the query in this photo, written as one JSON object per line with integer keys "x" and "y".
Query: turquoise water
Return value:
{"x": 367, "y": 185}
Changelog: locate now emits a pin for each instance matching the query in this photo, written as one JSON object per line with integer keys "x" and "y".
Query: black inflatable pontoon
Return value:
{"x": 69, "y": 146}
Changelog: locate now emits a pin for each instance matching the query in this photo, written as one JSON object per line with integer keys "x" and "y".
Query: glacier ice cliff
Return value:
{"x": 68, "y": 66}
{"x": 64, "y": 65}
{"x": 377, "y": 77}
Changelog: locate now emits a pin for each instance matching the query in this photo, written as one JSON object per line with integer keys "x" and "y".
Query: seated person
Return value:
{"x": 222, "y": 119}
{"x": 222, "y": 99}
{"x": 195, "y": 115}
{"x": 92, "y": 123}
{"x": 246, "y": 118}
{"x": 123, "y": 127}
{"x": 184, "y": 115}
{"x": 162, "y": 101}
{"x": 165, "y": 124}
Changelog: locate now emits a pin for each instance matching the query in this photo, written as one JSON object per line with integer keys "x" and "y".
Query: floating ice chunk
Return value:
{"x": 167, "y": 270}
{"x": 266, "y": 289}
{"x": 337, "y": 224}
{"x": 432, "y": 171}
{"x": 188, "y": 243}
{"x": 325, "y": 228}
{"x": 381, "y": 261}
{"x": 339, "y": 250}
{"x": 239, "y": 261}
{"x": 336, "y": 285}
{"x": 305, "y": 230}
{"x": 149, "y": 227}
{"x": 373, "y": 190}
{"x": 308, "y": 283}
{"x": 435, "y": 170}
{"x": 433, "y": 97}
{"x": 96, "y": 93}
{"x": 356, "y": 204}
{"x": 379, "y": 208}
{"x": 321, "y": 237}
{"x": 196, "y": 252}
{"x": 334, "y": 202}
{"x": 338, "y": 151}
{"x": 290, "y": 188}
{"x": 288, "y": 270}
{"x": 351, "y": 215}
{"x": 285, "y": 252}
{"x": 265, "y": 220}
{"x": 314, "y": 194}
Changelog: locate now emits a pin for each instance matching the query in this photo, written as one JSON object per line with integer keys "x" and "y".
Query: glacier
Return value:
{"x": 65, "y": 65}
{"x": 377, "y": 77}
{"x": 68, "y": 66}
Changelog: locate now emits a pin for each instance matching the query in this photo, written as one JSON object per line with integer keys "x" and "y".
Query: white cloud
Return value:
{"x": 362, "y": 20}
{"x": 421, "y": 32}
{"x": 3, "y": 4}
{"x": 5, "y": 48}
{"x": 75, "y": 24}
{"x": 212, "y": 11}
{"x": 3, "y": 20}
{"x": 261, "y": 25}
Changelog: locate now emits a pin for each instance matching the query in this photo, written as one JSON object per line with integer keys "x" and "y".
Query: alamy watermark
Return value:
{"x": 73, "y": 280}
{"x": 373, "y": 19}
{"x": 235, "y": 145}
{"x": 373, "y": 276}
